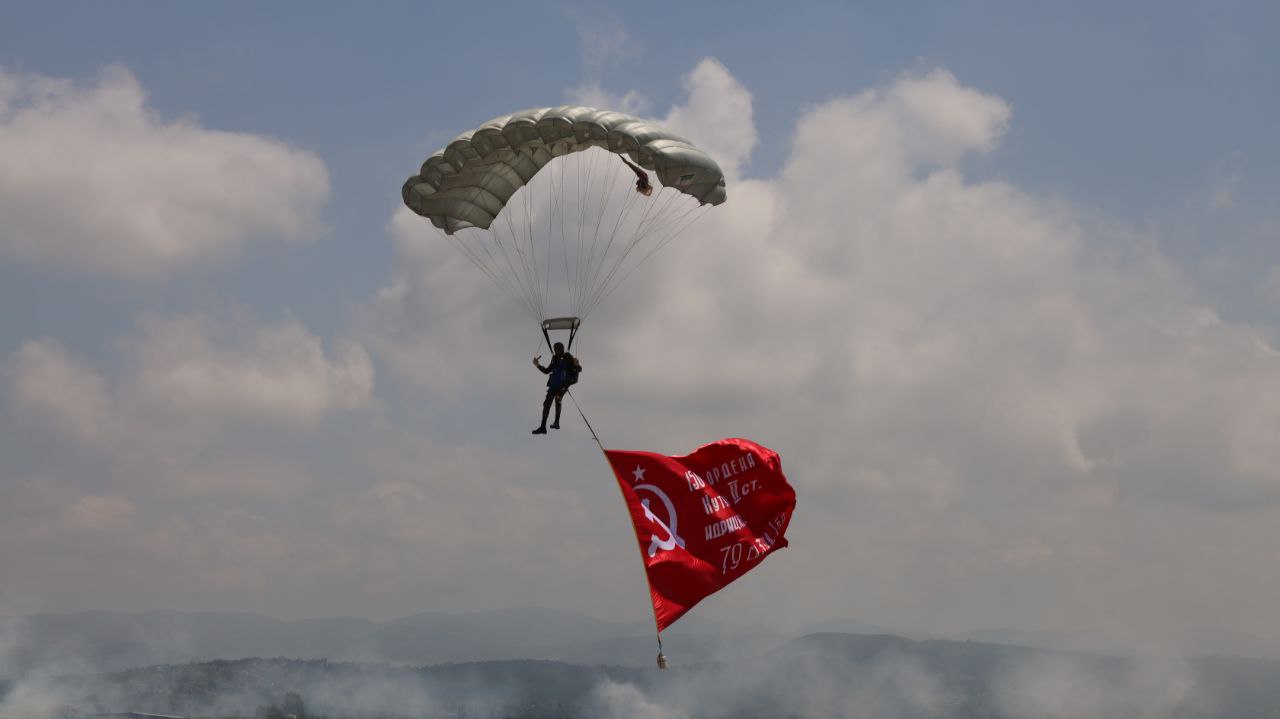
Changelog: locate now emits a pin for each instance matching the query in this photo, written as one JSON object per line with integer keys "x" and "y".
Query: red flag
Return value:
{"x": 704, "y": 519}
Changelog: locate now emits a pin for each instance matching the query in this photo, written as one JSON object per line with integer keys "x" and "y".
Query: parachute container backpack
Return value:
{"x": 544, "y": 203}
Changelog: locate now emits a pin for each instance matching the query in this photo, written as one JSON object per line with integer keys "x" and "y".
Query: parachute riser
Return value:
{"x": 561, "y": 323}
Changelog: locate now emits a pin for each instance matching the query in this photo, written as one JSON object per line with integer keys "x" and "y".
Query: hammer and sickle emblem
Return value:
{"x": 673, "y": 540}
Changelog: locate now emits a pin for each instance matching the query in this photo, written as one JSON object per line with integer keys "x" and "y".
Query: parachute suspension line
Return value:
{"x": 603, "y": 205}
{"x": 674, "y": 226}
{"x": 530, "y": 300}
{"x": 586, "y": 220}
{"x": 597, "y": 256}
{"x": 545, "y": 284}
{"x": 494, "y": 236}
{"x": 557, "y": 211}
{"x": 486, "y": 251}
{"x": 677, "y": 227}
{"x": 653, "y": 225}
{"x": 658, "y": 218}
{"x": 587, "y": 175}
{"x": 519, "y": 277}
{"x": 509, "y": 244}
{"x": 580, "y": 259}
{"x": 533, "y": 250}
{"x": 662, "y": 659}
{"x": 583, "y": 175}
{"x": 545, "y": 264}
{"x": 564, "y": 242}
{"x": 616, "y": 232}
{"x": 696, "y": 212}
{"x": 532, "y": 255}
{"x": 593, "y": 283}
{"x": 503, "y": 283}
{"x": 582, "y": 203}
{"x": 516, "y": 246}
{"x": 637, "y": 236}
{"x": 527, "y": 275}
{"x": 611, "y": 258}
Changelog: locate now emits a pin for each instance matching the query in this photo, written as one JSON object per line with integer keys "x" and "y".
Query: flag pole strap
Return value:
{"x": 588, "y": 423}
{"x": 662, "y": 658}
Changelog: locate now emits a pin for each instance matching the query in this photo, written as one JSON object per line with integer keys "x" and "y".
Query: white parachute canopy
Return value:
{"x": 544, "y": 203}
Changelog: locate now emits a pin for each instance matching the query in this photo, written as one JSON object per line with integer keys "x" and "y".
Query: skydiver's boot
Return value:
{"x": 546, "y": 408}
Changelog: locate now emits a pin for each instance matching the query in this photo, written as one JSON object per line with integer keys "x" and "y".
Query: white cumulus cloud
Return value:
{"x": 716, "y": 116}
{"x": 238, "y": 367}
{"x": 606, "y": 44}
{"x": 93, "y": 179}
{"x": 190, "y": 374}
{"x": 46, "y": 382}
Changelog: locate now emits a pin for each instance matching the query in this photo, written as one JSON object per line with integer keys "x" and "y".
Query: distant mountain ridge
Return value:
{"x": 819, "y": 675}
{"x": 113, "y": 641}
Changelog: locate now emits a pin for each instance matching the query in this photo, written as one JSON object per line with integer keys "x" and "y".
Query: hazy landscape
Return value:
{"x": 551, "y": 663}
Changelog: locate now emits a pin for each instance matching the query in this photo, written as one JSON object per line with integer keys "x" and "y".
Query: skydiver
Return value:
{"x": 563, "y": 371}
{"x": 642, "y": 178}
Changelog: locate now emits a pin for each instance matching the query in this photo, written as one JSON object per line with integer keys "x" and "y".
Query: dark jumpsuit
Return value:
{"x": 558, "y": 374}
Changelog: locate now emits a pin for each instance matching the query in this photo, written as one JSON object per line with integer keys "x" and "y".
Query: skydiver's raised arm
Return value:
{"x": 642, "y": 178}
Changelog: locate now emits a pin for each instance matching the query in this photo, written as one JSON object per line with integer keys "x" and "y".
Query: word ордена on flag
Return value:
{"x": 704, "y": 519}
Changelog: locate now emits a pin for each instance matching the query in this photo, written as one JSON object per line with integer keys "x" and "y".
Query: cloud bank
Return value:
{"x": 202, "y": 370}
{"x": 997, "y": 410}
{"x": 971, "y": 385}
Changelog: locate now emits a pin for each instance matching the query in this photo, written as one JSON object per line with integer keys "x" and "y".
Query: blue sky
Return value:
{"x": 961, "y": 344}
{"x": 1129, "y": 109}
